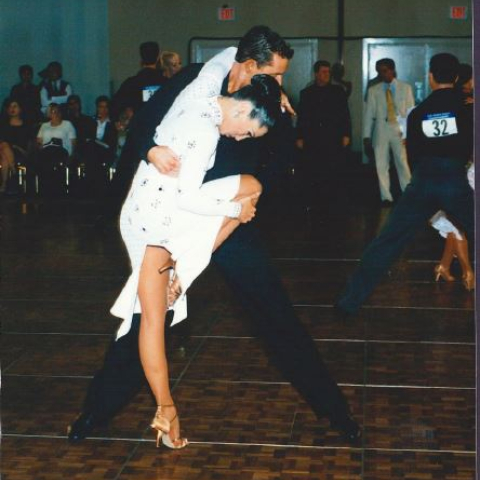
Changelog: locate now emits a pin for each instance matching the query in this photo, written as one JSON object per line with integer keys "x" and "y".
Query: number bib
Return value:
{"x": 148, "y": 91}
{"x": 438, "y": 125}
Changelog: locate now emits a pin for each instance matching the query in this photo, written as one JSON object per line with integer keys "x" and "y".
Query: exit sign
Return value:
{"x": 458, "y": 13}
{"x": 226, "y": 14}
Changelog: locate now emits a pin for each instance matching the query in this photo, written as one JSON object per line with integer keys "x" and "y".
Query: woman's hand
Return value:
{"x": 165, "y": 160}
{"x": 248, "y": 208}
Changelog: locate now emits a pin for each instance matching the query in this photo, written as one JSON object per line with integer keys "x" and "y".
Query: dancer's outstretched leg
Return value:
{"x": 152, "y": 292}
{"x": 442, "y": 270}
{"x": 461, "y": 250}
{"x": 249, "y": 190}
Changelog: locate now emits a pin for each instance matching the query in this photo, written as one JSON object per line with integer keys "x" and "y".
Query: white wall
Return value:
{"x": 73, "y": 32}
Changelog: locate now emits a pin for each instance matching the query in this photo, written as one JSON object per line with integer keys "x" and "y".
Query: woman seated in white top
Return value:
{"x": 57, "y": 132}
{"x": 165, "y": 218}
{"x": 56, "y": 140}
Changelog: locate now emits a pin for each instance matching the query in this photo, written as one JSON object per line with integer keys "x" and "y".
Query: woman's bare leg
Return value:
{"x": 448, "y": 251}
{"x": 152, "y": 292}
{"x": 461, "y": 250}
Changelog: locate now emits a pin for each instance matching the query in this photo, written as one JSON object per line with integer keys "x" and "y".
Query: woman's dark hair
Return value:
{"x": 444, "y": 67}
{"x": 264, "y": 93}
{"x": 7, "y": 102}
{"x": 259, "y": 44}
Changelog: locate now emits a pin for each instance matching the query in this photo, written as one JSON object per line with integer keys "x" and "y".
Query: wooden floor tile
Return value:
{"x": 78, "y": 354}
{"x": 421, "y": 364}
{"x": 57, "y": 317}
{"x": 432, "y": 419}
{"x": 418, "y": 465}
{"x": 54, "y": 459}
{"x": 248, "y": 462}
{"x": 245, "y": 359}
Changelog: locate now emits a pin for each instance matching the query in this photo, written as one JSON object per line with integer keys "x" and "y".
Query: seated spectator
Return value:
{"x": 170, "y": 63}
{"x": 16, "y": 137}
{"x": 28, "y": 95}
{"x": 56, "y": 140}
{"x": 101, "y": 151}
{"x": 136, "y": 90}
{"x": 122, "y": 126}
{"x": 85, "y": 126}
{"x": 106, "y": 135}
{"x": 53, "y": 89}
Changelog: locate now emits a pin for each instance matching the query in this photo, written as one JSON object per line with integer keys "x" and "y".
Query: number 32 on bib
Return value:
{"x": 439, "y": 125}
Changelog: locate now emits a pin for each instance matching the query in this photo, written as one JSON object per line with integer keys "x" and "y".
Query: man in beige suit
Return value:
{"x": 388, "y": 105}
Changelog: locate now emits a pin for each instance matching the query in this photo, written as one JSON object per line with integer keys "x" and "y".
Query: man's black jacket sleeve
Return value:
{"x": 151, "y": 114}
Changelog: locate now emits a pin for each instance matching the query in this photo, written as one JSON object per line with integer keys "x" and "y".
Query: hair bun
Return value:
{"x": 267, "y": 86}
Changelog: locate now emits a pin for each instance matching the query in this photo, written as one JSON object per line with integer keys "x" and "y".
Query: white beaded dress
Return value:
{"x": 179, "y": 213}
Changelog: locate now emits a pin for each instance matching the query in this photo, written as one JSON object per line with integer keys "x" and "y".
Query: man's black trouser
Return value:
{"x": 437, "y": 184}
{"x": 247, "y": 269}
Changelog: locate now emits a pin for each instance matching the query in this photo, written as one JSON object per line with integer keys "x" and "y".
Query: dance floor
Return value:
{"x": 406, "y": 363}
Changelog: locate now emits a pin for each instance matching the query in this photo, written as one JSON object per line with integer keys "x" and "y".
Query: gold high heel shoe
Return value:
{"x": 468, "y": 281}
{"x": 163, "y": 426}
{"x": 444, "y": 273}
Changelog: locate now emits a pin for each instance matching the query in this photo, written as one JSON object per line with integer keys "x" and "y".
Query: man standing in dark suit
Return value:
{"x": 137, "y": 90}
{"x": 242, "y": 259}
{"x": 324, "y": 132}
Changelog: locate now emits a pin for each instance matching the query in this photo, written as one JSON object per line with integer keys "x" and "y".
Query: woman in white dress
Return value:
{"x": 456, "y": 244}
{"x": 168, "y": 218}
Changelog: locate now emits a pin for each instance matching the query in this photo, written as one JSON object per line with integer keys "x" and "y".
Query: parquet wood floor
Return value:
{"x": 406, "y": 363}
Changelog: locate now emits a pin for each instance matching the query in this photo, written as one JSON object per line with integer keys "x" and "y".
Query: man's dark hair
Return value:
{"x": 444, "y": 67}
{"x": 25, "y": 68}
{"x": 102, "y": 98}
{"x": 260, "y": 43}
{"x": 386, "y": 62}
{"x": 320, "y": 63}
{"x": 149, "y": 52}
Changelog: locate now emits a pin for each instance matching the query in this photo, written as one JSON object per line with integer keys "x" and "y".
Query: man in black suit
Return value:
{"x": 324, "y": 132}
{"x": 242, "y": 259}
{"x": 439, "y": 145}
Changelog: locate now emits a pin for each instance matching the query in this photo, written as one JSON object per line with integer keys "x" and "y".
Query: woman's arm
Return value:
{"x": 210, "y": 79}
{"x": 195, "y": 150}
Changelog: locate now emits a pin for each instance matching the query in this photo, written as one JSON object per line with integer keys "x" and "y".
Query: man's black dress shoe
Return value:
{"x": 81, "y": 428}
{"x": 349, "y": 430}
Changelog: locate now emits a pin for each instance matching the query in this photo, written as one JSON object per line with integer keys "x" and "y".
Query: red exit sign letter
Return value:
{"x": 226, "y": 14}
{"x": 458, "y": 13}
